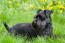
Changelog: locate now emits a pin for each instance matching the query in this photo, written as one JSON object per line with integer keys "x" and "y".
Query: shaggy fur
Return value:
{"x": 43, "y": 22}
{"x": 41, "y": 26}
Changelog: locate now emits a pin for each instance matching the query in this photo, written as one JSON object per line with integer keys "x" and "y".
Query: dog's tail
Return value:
{"x": 6, "y": 26}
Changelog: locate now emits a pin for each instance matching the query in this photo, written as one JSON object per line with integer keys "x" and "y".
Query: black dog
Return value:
{"x": 40, "y": 26}
{"x": 22, "y": 29}
{"x": 43, "y": 22}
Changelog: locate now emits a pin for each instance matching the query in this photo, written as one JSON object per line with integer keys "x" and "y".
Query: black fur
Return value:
{"x": 41, "y": 26}
{"x": 6, "y": 26}
{"x": 44, "y": 16}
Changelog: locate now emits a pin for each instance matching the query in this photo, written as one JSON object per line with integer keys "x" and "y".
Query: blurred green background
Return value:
{"x": 23, "y": 11}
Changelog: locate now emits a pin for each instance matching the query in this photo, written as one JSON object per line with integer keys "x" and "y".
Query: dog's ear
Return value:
{"x": 39, "y": 10}
{"x": 48, "y": 11}
{"x": 37, "y": 13}
{"x": 45, "y": 11}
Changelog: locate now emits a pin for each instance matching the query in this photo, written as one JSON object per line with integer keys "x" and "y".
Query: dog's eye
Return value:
{"x": 47, "y": 12}
{"x": 42, "y": 18}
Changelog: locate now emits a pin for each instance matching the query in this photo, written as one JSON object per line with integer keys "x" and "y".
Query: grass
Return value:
{"x": 14, "y": 13}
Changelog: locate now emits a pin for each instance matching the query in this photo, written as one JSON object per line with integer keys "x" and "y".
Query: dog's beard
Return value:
{"x": 39, "y": 25}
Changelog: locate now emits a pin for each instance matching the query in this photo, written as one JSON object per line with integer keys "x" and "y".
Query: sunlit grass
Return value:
{"x": 23, "y": 11}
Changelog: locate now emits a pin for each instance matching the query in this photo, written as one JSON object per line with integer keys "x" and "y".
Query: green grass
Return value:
{"x": 20, "y": 14}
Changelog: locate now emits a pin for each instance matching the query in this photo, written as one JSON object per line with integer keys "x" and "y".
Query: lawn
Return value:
{"x": 22, "y": 11}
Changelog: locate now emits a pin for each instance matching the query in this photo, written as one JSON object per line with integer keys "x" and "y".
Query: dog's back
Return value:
{"x": 22, "y": 29}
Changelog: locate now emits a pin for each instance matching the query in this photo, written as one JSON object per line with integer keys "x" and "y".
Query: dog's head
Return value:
{"x": 44, "y": 14}
{"x": 42, "y": 19}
